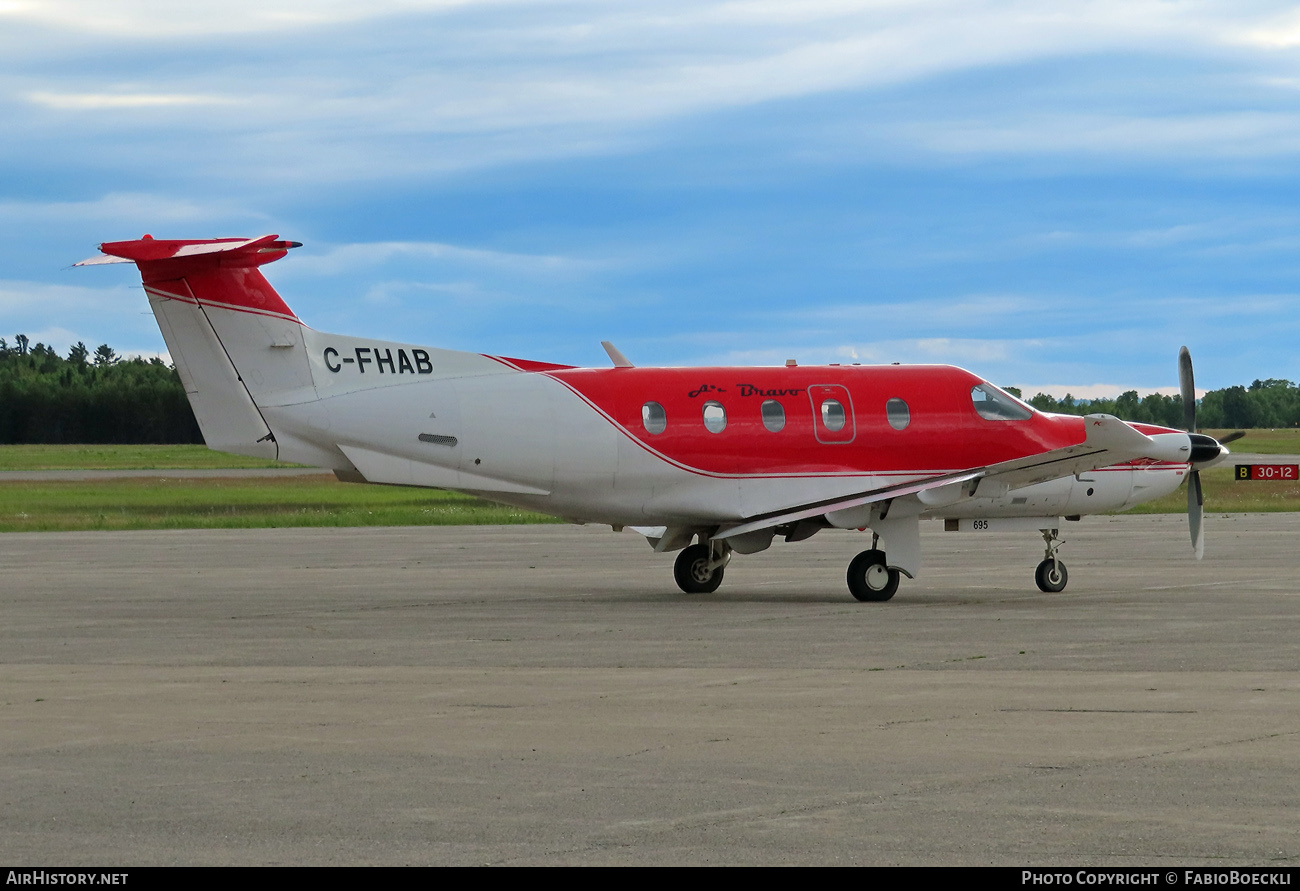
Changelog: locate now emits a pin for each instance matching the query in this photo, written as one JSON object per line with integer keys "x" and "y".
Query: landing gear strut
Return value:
{"x": 870, "y": 579}
{"x": 698, "y": 569}
{"x": 1050, "y": 574}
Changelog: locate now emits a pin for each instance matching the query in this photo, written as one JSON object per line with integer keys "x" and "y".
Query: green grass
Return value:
{"x": 123, "y": 457}
{"x": 1264, "y": 442}
{"x": 1226, "y": 495}
{"x": 323, "y": 501}
{"x": 239, "y": 503}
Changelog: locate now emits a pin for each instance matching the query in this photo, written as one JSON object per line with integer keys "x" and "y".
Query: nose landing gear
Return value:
{"x": 1050, "y": 574}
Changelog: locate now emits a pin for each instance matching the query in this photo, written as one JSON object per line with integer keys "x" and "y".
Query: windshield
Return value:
{"x": 995, "y": 405}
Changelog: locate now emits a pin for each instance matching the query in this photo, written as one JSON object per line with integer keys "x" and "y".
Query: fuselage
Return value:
{"x": 673, "y": 446}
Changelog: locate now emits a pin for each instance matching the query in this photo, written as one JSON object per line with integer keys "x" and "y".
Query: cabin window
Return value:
{"x": 773, "y": 416}
{"x": 898, "y": 413}
{"x": 715, "y": 417}
{"x": 995, "y": 405}
{"x": 833, "y": 415}
{"x": 654, "y": 418}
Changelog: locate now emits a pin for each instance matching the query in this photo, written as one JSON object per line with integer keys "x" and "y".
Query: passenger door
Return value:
{"x": 833, "y": 419}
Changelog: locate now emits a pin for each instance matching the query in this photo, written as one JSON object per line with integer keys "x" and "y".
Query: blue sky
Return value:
{"x": 1056, "y": 196}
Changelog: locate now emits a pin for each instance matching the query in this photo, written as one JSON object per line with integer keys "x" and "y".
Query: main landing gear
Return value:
{"x": 698, "y": 569}
{"x": 870, "y": 579}
{"x": 1050, "y": 574}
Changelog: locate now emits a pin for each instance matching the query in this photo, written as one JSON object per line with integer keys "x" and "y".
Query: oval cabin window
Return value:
{"x": 833, "y": 415}
{"x": 715, "y": 417}
{"x": 773, "y": 416}
{"x": 654, "y": 418}
{"x": 898, "y": 413}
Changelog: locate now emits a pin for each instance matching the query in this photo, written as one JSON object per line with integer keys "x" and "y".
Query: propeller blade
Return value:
{"x": 1196, "y": 513}
{"x": 1232, "y": 437}
{"x": 1187, "y": 383}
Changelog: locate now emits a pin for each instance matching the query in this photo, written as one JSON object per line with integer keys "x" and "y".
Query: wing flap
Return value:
{"x": 856, "y": 499}
{"x": 1109, "y": 441}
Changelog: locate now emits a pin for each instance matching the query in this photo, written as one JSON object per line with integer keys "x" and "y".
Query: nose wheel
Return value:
{"x": 1050, "y": 574}
{"x": 870, "y": 579}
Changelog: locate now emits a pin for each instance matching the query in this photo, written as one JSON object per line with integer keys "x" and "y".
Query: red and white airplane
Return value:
{"x": 711, "y": 462}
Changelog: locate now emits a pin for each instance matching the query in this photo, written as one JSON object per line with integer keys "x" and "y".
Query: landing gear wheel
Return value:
{"x": 1051, "y": 576}
{"x": 870, "y": 580}
{"x": 692, "y": 571}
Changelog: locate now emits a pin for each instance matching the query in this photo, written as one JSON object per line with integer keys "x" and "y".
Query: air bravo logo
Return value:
{"x": 745, "y": 390}
{"x": 382, "y": 359}
{"x": 751, "y": 390}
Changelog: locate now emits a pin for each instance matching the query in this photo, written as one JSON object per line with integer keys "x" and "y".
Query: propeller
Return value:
{"x": 1205, "y": 450}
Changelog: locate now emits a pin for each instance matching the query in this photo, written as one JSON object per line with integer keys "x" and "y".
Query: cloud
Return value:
{"x": 18, "y": 297}
{"x": 153, "y": 19}
{"x": 1278, "y": 32}
{"x": 1095, "y": 391}
{"x": 970, "y": 309}
{"x": 934, "y": 350}
{"x": 365, "y": 255}
{"x": 149, "y": 355}
{"x": 487, "y": 83}
{"x": 1243, "y": 134}
{"x": 119, "y": 208}
{"x": 61, "y": 315}
{"x": 958, "y": 351}
{"x": 1000, "y": 184}
{"x": 113, "y": 101}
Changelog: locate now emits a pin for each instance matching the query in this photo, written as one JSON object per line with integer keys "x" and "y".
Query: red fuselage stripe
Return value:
{"x": 219, "y": 305}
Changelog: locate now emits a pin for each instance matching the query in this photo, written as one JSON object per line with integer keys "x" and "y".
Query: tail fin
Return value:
{"x": 220, "y": 271}
{"x": 220, "y": 316}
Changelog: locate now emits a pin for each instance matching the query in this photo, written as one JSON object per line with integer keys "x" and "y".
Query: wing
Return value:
{"x": 1109, "y": 441}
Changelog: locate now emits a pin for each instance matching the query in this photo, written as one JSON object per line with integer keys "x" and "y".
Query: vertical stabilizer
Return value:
{"x": 234, "y": 341}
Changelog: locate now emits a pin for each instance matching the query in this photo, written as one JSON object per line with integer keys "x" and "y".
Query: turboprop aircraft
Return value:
{"x": 710, "y": 462}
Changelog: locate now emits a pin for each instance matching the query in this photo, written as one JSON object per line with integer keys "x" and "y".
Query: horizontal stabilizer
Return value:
{"x": 150, "y": 250}
{"x": 218, "y": 272}
{"x": 102, "y": 261}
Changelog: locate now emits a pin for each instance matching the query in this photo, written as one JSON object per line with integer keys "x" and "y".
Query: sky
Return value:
{"x": 1055, "y": 196}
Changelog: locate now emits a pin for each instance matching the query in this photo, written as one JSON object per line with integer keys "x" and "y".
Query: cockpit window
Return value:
{"x": 995, "y": 405}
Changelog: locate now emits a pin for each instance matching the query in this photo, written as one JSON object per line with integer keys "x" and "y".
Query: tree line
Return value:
{"x": 1270, "y": 403}
{"x": 89, "y": 397}
{"x": 98, "y": 397}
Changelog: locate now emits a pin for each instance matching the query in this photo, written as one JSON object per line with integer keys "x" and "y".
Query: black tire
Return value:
{"x": 870, "y": 580}
{"x": 1051, "y": 577}
{"x": 691, "y": 571}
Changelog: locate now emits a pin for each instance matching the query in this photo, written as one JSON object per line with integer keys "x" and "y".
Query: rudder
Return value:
{"x": 231, "y": 337}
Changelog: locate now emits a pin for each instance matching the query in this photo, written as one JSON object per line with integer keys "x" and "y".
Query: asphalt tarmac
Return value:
{"x": 544, "y": 695}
